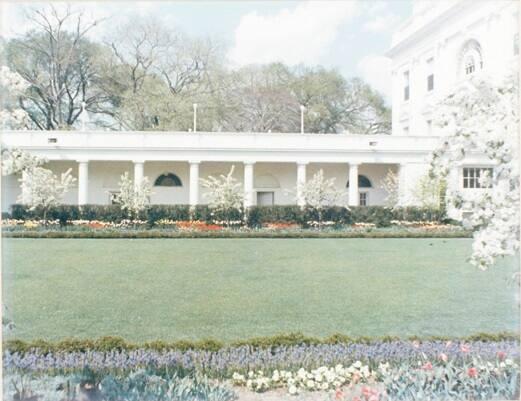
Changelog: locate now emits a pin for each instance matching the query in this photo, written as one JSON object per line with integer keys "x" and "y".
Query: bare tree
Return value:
{"x": 258, "y": 99}
{"x": 60, "y": 64}
{"x": 156, "y": 73}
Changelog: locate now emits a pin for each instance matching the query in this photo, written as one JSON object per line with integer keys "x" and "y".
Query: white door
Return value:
{"x": 265, "y": 198}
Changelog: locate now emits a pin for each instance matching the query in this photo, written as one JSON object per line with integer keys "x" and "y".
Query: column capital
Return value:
{"x": 248, "y": 162}
{"x": 138, "y": 161}
{"x": 354, "y": 164}
{"x": 194, "y": 161}
{"x": 82, "y": 161}
{"x": 302, "y": 163}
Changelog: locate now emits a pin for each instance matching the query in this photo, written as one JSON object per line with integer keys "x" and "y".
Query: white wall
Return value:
{"x": 282, "y": 177}
{"x": 491, "y": 23}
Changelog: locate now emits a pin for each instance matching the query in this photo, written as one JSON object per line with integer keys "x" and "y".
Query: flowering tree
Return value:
{"x": 319, "y": 192}
{"x": 40, "y": 186}
{"x": 225, "y": 194}
{"x": 133, "y": 197}
{"x": 12, "y": 85}
{"x": 482, "y": 116}
{"x": 391, "y": 185}
{"x": 44, "y": 189}
{"x": 15, "y": 161}
{"x": 431, "y": 191}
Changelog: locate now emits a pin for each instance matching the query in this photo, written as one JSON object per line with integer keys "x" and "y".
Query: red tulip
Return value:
{"x": 427, "y": 366}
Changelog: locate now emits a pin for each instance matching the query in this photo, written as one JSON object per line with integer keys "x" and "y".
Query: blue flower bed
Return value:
{"x": 222, "y": 362}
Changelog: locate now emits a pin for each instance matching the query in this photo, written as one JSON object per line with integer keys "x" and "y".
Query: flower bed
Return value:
{"x": 281, "y": 225}
{"x": 394, "y": 370}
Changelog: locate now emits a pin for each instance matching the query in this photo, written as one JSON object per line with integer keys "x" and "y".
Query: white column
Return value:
{"x": 354, "y": 197}
{"x": 301, "y": 180}
{"x": 138, "y": 171}
{"x": 194, "y": 183}
{"x": 248, "y": 184}
{"x": 83, "y": 182}
{"x": 26, "y": 194}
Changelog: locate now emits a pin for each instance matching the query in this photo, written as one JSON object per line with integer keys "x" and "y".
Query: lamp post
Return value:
{"x": 302, "y": 109}
{"x": 195, "y": 117}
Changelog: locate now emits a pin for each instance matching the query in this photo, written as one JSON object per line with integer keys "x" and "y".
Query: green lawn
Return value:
{"x": 239, "y": 288}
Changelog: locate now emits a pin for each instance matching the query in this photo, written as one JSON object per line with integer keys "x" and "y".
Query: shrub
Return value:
{"x": 107, "y": 344}
{"x": 259, "y": 215}
{"x": 167, "y": 212}
{"x": 255, "y": 217}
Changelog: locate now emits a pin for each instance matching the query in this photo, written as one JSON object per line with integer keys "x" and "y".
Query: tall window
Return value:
{"x": 430, "y": 74}
{"x": 405, "y": 130}
{"x": 470, "y": 65}
{"x": 472, "y": 176}
{"x": 406, "y": 86}
{"x": 516, "y": 44}
{"x": 471, "y": 60}
{"x": 363, "y": 198}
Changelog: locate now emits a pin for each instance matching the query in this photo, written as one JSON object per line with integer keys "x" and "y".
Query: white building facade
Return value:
{"x": 440, "y": 45}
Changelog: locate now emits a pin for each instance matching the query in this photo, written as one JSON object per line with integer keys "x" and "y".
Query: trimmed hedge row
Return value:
{"x": 107, "y": 344}
{"x": 254, "y": 217}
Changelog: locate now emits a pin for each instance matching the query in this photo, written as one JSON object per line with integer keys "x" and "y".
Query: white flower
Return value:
{"x": 357, "y": 364}
{"x": 310, "y": 384}
{"x": 292, "y": 390}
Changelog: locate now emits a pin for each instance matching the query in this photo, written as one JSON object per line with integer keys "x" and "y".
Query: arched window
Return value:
{"x": 470, "y": 57}
{"x": 470, "y": 64}
{"x": 168, "y": 180}
{"x": 363, "y": 182}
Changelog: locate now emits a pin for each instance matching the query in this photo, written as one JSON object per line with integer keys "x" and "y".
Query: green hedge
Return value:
{"x": 254, "y": 217}
{"x": 107, "y": 344}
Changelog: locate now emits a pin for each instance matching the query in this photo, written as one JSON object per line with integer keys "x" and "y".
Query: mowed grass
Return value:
{"x": 239, "y": 288}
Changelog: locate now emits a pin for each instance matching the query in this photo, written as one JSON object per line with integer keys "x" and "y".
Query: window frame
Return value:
{"x": 470, "y": 176}
{"x": 406, "y": 86}
{"x": 363, "y": 198}
{"x": 430, "y": 74}
{"x": 112, "y": 195}
{"x": 430, "y": 82}
{"x": 175, "y": 178}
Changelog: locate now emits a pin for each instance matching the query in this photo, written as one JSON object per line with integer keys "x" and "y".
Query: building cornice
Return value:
{"x": 417, "y": 35}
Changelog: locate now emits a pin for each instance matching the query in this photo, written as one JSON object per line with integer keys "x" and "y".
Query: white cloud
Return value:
{"x": 381, "y": 23}
{"x": 376, "y": 71}
{"x": 299, "y": 35}
{"x": 380, "y": 19}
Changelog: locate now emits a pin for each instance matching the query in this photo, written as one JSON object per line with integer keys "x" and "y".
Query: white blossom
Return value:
{"x": 43, "y": 188}
{"x": 133, "y": 197}
{"x": 481, "y": 115}
{"x": 16, "y": 160}
{"x": 12, "y": 85}
{"x": 224, "y": 193}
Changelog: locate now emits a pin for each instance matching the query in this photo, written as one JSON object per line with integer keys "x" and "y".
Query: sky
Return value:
{"x": 349, "y": 35}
